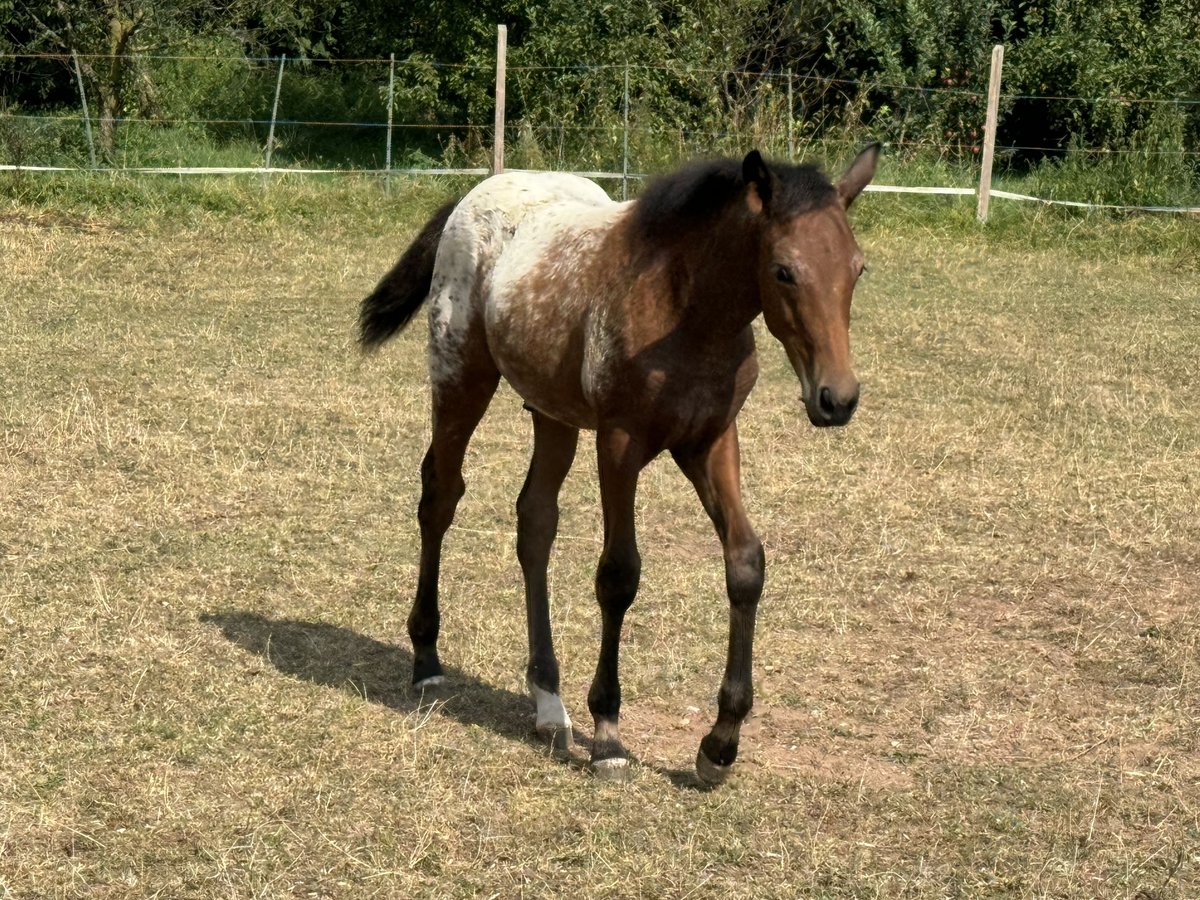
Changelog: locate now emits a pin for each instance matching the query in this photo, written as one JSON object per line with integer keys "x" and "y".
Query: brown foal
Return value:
{"x": 632, "y": 320}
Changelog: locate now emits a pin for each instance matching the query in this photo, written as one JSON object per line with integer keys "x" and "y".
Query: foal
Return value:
{"x": 632, "y": 320}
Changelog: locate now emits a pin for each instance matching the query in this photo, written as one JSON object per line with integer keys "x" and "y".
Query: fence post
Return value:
{"x": 87, "y": 119}
{"x": 501, "y": 55}
{"x": 387, "y": 156}
{"x": 989, "y": 134}
{"x": 791, "y": 120}
{"x": 274, "y": 115}
{"x": 625, "y": 142}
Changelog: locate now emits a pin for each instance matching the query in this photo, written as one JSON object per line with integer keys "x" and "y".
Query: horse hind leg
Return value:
{"x": 461, "y": 394}
{"x": 537, "y": 524}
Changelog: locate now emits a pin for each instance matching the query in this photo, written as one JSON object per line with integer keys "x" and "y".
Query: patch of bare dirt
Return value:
{"x": 777, "y": 739}
{"x": 54, "y": 220}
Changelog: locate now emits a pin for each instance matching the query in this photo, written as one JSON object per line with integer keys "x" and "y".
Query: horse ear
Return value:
{"x": 859, "y": 175}
{"x": 759, "y": 182}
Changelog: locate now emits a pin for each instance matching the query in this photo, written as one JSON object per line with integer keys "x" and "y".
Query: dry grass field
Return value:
{"x": 978, "y": 661}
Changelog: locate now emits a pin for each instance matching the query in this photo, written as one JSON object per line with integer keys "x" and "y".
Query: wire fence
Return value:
{"x": 204, "y": 115}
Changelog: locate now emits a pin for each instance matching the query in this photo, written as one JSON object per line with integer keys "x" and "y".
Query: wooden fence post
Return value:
{"x": 501, "y": 54}
{"x": 989, "y": 134}
{"x": 791, "y": 127}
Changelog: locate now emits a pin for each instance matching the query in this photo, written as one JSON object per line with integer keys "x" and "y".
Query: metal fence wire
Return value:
{"x": 267, "y": 116}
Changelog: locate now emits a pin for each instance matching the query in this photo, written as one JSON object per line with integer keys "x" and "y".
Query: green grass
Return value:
{"x": 976, "y": 666}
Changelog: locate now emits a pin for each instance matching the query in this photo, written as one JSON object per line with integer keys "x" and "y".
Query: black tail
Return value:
{"x": 400, "y": 293}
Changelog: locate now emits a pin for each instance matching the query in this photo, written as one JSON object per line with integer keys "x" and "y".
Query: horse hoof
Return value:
{"x": 710, "y": 773}
{"x": 432, "y": 681}
{"x": 559, "y": 738}
{"x": 615, "y": 769}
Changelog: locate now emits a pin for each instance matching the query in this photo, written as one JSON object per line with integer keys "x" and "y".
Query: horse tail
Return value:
{"x": 400, "y": 293}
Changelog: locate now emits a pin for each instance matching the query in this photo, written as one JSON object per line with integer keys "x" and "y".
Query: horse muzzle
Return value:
{"x": 829, "y": 406}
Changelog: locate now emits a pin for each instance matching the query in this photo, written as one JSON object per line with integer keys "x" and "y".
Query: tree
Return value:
{"x": 109, "y": 35}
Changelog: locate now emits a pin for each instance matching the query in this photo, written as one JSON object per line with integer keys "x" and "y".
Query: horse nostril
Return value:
{"x": 825, "y": 401}
{"x": 852, "y": 405}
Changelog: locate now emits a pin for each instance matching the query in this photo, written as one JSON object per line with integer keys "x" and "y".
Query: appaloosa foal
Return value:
{"x": 632, "y": 320}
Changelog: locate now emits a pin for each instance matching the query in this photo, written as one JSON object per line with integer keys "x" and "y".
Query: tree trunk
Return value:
{"x": 111, "y": 77}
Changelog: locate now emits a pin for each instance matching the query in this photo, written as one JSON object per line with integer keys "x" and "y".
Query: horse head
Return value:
{"x": 808, "y": 266}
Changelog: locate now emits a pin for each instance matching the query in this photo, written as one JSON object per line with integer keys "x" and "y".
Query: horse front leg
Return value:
{"x": 619, "y": 460}
{"x": 715, "y": 471}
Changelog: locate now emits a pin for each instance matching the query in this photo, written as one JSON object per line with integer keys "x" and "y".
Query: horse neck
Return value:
{"x": 722, "y": 294}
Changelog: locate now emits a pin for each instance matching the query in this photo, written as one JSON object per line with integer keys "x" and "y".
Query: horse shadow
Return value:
{"x": 338, "y": 657}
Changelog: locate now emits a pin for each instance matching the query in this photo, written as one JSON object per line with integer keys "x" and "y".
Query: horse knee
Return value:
{"x": 537, "y": 521}
{"x": 745, "y": 572}
{"x": 617, "y": 579}
{"x": 530, "y": 507}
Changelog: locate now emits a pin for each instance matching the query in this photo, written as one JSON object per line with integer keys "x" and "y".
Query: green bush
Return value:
{"x": 1147, "y": 168}
{"x": 1089, "y": 107}
{"x": 41, "y": 137}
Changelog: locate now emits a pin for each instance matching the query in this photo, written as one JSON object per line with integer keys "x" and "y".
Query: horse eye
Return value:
{"x": 784, "y": 275}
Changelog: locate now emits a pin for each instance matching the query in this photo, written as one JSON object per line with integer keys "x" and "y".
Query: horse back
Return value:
{"x": 475, "y": 239}
{"x": 550, "y": 312}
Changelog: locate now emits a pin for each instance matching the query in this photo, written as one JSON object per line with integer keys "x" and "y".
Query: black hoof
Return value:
{"x": 709, "y": 772}
{"x": 559, "y": 738}
{"x": 427, "y": 669}
{"x": 614, "y": 769}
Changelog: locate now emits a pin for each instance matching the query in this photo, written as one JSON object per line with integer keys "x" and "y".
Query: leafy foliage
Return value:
{"x": 692, "y": 76}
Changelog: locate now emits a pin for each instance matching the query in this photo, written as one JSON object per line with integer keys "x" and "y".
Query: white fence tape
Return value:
{"x": 877, "y": 188}
{"x": 898, "y": 189}
{"x": 1189, "y": 210}
{"x": 235, "y": 170}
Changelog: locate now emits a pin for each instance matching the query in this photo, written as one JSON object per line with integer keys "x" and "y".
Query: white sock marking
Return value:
{"x": 550, "y": 710}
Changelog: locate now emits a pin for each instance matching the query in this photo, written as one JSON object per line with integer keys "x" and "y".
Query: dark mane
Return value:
{"x": 696, "y": 192}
